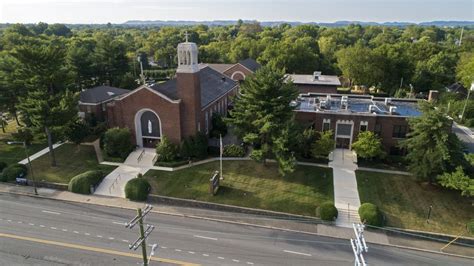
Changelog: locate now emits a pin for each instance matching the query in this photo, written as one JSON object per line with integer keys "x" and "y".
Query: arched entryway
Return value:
{"x": 147, "y": 128}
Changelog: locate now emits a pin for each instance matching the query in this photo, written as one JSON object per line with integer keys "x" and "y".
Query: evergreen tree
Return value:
{"x": 262, "y": 115}
{"x": 47, "y": 104}
{"x": 431, "y": 145}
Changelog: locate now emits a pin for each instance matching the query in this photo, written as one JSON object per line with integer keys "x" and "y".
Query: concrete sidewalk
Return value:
{"x": 303, "y": 226}
{"x": 40, "y": 153}
{"x": 346, "y": 194}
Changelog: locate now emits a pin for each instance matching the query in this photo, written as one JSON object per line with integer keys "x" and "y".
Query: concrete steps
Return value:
{"x": 346, "y": 218}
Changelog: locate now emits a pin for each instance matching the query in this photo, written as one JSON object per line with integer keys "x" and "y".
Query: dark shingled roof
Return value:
{"x": 250, "y": 64}
{"x": 100, "y": 94}
{"x": 213, "y": 85}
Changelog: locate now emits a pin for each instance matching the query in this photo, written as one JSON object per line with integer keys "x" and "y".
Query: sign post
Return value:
{"x": 214, "y": 183}
{"x": 221, "y": 153}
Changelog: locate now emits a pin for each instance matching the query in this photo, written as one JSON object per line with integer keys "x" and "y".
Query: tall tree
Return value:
{"x": 110, "y": 59}
{"x": 368, "y": 145}
{"x": 47, "y": 104}
{"x": 431, "y": 145}
{"x": 262, "y": 116}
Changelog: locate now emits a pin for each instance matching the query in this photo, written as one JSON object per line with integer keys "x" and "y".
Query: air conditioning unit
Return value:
{"x": 372, "y": 108}
{"x": 392, "y": 109}
{"x": 388, "y": 101}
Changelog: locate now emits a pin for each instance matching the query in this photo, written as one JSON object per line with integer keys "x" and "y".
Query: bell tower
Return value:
{"x": 189, "y": 87}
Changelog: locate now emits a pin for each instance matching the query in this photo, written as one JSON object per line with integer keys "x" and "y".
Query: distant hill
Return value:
{"x": 276, "y": 23}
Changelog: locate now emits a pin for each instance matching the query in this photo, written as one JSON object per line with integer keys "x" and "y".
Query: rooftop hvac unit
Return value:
{"x": 316, "y": 75}
{"x": 372, "y": 108}
{"x": 388, "y": 101}
{"x": 392, "y": 109}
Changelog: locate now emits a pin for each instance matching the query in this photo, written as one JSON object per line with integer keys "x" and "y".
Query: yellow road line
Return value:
{"x": 94, "y": 249}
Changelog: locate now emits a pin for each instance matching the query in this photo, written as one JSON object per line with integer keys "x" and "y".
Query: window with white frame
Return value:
{"x": 364, "y": 125}
{"x": 326, "y": 124}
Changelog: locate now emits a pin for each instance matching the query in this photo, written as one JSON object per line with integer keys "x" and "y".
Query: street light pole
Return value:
{"x": 467, "y": 99}
{"x": 29, "y": 162}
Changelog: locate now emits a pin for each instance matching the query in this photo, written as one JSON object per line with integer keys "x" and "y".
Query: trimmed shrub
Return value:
{"x": 194, "y": 147}
{"x": 370, "y": 214}
{"x": 2, "y": 166}
{"x": 82, "y": 183}
{"x": 233, "y": 151}
{"x": 137, "y": 189}
{"x": 117, "y": 142}
{"x": 10, "y": 173}
{"x": 166, "y": 150}
{"x": 327, "y": 211}
{"x": 77, "y": 131}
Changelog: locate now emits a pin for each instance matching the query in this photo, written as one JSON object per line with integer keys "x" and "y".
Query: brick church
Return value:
{"x": 178, "y": 108}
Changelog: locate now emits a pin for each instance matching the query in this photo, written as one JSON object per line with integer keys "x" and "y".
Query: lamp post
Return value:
{"x": 29, "y": 161}
{"x": 467, "y": 99}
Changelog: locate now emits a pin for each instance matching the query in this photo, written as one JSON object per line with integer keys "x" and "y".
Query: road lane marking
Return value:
{"x": 57, "y": 213}
{"x": 249, "y": 263}
{"x": 64, "y": 230}
{"x": 179, "y": 250}
{"x": 99, "y": 236}
{"x": 54, "y": 228}
{"x": 32, "y": 224}
{"x": 94, "y": 249}
{"x": 125, "y": 240}
{"x": 119, "y": 223}
{"x": 205, "y": 255}
{"x": 20, "y": 222}
{"x": 221, "y": 258}
{"x": 9, "y": 221}
{"x": 87, "y": 234}
{"x": 236, "y": 260}
{"x": 75, "y": 232}
{"x": 42, "y": 225}
{"x": 111, "y": 238}
{"x": 191, "y": 252}
{"x": 163, "y": 247}
{"x": 297, "y": 253}
{"x": 206, "y": 237}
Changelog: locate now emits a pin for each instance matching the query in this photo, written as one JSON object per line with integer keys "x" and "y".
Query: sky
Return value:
{"x": 119, "y": 11}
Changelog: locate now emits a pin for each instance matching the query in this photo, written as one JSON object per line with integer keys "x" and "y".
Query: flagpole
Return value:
{"x": 221, "y": 151}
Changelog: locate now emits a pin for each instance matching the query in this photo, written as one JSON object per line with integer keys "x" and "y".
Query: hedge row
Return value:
{"x": 137, "y": 189}
{"x": 82, "y": 183}
{"x": 370, "y": 214}
{"x": 328, "y": 212}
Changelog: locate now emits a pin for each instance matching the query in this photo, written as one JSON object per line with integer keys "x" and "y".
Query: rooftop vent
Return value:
{"x": 317, "y": 75}
{"x": 388, "y": 101}
{"x": 392, "y": 109}
{"x": 372, "y": 108}
{"x": 110, "y": 93}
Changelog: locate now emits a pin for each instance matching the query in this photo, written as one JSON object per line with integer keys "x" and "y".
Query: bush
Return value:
{"x": 167, "y": 151}
{"x": 219, "y": 127}
{"x": 234, "y": 151}
{"x": 327, "y": 211}
{"x": 194, "y": 147}
{"x": 2, "y": 166}
{"x": 370, "y": 214}
{"x": 117, "y": 142}
{"x": 77, "y": 131}
{"x": 137, "y": 189}
{"x": 10, "y": 173}
{"x": 82, "y": 183}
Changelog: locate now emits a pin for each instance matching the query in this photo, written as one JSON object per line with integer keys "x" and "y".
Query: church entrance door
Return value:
{"x": 147, "y": 128}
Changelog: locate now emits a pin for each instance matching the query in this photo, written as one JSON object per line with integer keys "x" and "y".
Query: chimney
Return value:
{"x": 316, "y": 75}
{"x": 433, "y": 96}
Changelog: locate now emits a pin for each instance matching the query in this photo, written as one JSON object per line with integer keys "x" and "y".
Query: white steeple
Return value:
{"x": 187, "y": 57}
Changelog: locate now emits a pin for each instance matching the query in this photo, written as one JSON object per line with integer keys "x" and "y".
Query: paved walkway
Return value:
{"x": 138, "y": 162}
{"x": 346, "y": 195}
{"x": 40, "y": 153}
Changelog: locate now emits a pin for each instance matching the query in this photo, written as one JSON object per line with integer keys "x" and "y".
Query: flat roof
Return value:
{"x": 314, "y": 80}
{"x": 353, "y": 104}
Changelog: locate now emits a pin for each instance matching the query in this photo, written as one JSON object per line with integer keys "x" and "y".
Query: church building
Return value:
{"x": 178, "y": 108}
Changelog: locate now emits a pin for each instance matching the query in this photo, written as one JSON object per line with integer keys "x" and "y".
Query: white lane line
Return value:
{"x": 163, "y": 247}
{"x": 9, "y": 221}
{"x": 236, "y": 260}
{"x": 179, "y": 250}
{"x": 54, "y": 228}
{"x": 32, "y": 224}
{"x": 64, "y": 230}
{"x": 20, "y": 222}
{"x": 111, "y": 238}
{"x": 87, "y": 234}
{"x": 297, "y": 253}
{"x": 99, "y": 236}
{"x": 75, "y": 232}
{"x": 120, "y": 223}
{"x": 205, "y": 255}
{"x": 221, "y": 258}
{"x": 191, "y": 252}
{"x": 57, "y": 213}
{"x": 42, "y": 225}
{"x": 205, "y": 237}
{"x": 249, "y": 263}
{"x": 125, "y": 240}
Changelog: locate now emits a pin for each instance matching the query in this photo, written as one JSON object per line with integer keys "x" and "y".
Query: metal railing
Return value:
{"x": 140, "y": 157}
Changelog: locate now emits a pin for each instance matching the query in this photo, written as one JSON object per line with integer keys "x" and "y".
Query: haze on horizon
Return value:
{"x": 119, "y": 11}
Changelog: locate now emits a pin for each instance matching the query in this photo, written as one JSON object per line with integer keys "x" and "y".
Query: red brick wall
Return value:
{"x": 237, "y": 77}
{"x": 189, "y": 91}
{"x": 122, "y": 113}
{"x": 94, "y": 109}
{"x": 306, "y": 88}
{"x": 387, "y": 122}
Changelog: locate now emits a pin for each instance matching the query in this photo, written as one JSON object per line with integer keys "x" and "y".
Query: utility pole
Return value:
{"x": 29, "y": 162}
{"x": 141, "y": 241}
{"x": 358, "y": 245}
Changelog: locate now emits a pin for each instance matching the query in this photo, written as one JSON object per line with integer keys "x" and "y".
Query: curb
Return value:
{"x": 245, "y": 224}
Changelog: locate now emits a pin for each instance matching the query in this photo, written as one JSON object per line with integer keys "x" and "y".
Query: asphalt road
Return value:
{"x": 36, "y": 231}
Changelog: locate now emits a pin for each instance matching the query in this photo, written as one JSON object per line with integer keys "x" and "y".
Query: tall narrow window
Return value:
{"x": 207, "y": 122}
{"x": 399, "y": 131}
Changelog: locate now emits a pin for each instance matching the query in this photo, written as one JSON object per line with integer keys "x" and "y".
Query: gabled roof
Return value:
{"x": 250, "y": 64}
{"x": 457, "y": 88}
{"x": 213, "y": 86}
{"x": 100, "y": 94}
{"x": 221, "y": 68}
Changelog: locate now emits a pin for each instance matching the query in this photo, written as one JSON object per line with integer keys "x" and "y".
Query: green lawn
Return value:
{"x": 250, "y": 184}
{"x": 405, "y": 202}
{"x": 71, "y": 161}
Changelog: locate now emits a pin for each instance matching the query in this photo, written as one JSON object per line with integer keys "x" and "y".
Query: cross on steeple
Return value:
{"x": 186, "y": 34}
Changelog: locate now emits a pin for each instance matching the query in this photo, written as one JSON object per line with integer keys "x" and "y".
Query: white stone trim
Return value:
{"x": 151, "y": 90}
{"x": 138, "y": 128}
{"x": 237, "y": 72}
